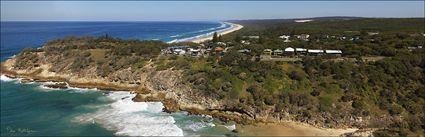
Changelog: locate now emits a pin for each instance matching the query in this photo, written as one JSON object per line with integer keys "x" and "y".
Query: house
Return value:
{"x": 194, "y": 52}
{"x": 245, "y": 42}
{"x": 315, "y": 52}
{"x": 414, "y": 48}
{"x": 355, "y": 38}
{"x": 289, "y": 51}
{"x": 333, "y": 52}
{"x": 303, "y": 37}
{"x": 267, "y": 52}
{"x": 244, "y": 51}
{"x": 372, "y": 33}
{"x": 285, "y": 37}
{"x": 221, "y": 43}
{"x": 277, "y": 52}
{"x": 300, "y": 51}
{"x": 179, "y": 51}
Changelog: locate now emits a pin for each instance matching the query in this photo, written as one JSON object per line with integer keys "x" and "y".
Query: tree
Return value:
{"x": 297, "y": 75}
{"x": 215, "y": 37}
{"x": 238, "y": 38}
{"x": 220, "y": 38}
{"x": 261, "y": 40}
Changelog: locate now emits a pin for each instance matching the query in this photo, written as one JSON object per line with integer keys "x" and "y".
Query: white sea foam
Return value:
{"x": 230, "y": 127}
{"x": 175, "y": 36}
{"x": 130, "y": 118}
{"x": 13, "y": 56}
{"x": 45, "y": 88}
{"x": 5, "y": 78}
{"x": 221, "y": 28}
{"x": 81, "y": 90}
{"x": 196, "y": 126}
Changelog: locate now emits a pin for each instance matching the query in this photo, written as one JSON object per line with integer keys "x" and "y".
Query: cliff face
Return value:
{"x": 147, "y": 82}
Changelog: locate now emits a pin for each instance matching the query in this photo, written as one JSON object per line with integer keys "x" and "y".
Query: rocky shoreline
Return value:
{"x": 154, "y": 87}
{"x": 147, "y": 92}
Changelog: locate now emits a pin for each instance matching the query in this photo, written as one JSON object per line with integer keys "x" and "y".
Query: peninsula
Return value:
{"x": 354, "y": 74}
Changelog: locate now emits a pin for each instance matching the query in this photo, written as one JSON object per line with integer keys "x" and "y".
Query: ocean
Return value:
{"x": 31, "y": 109}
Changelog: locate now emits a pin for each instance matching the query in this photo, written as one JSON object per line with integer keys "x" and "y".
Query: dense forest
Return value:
{"x": 388, "y": 94}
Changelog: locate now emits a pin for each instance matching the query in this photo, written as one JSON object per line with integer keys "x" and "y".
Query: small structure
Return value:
{"x": 333, "y": 52}
{"x": 315, "y": 52}
{"x": 414, "y": 48}
{"x": 267, "y": 52}
{"x": 277, "y": 52}
{"x": 221, "y": 43}
{"x": 245, "y": 42}
{"x": 289, "y": 51}
{"x": 303, "y": 37}
{"x": 244, "y": 51}
{"x": 300, "y": 51}
{"x": 194, "y": 52}
{"x": 179, "y": 51}
{"x": 285, "y": 37}
{"x": 355, "y": 38}
{"x": 372, "y": 33}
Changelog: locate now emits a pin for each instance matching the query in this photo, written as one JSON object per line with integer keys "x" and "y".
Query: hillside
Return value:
{"x": 384, "y": 91}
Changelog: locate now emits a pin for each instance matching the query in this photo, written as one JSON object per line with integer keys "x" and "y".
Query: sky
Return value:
{"x": 201, "y": 10}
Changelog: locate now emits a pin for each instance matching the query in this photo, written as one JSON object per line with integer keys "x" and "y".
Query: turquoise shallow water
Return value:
{"x": 27, "y": 109}
{"x": 31, "y": 110}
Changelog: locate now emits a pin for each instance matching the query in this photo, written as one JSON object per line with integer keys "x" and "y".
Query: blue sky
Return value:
{"x": 201, "y": 10}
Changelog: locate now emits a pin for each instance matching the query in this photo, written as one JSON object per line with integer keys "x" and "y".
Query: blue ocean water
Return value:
{"x": 33, "y": 110}
{"x": 18, "y": 35}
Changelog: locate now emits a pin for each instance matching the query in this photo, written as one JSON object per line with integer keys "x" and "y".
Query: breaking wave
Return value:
{"x": 5, "y": 78}
{"x": 130, "y": 118}
{"x": 210, "y": 31}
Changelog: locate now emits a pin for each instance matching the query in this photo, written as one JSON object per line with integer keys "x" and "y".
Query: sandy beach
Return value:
{"x": 234, "y": 27}
{"x": 289, "y": 129}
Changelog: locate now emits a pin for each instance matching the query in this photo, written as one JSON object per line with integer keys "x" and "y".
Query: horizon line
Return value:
{"x": 200, "y": 20}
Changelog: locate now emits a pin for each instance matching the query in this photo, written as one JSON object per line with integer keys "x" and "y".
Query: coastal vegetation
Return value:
{"x": 387, "y": 94}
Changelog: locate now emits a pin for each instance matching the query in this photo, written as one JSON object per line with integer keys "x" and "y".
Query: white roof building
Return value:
{"x": 315, "y": 51}
{"x": 284, "y": 37}
{"x": 245, "y": 42}
{"x": 289, "y": 49}
{"x": 278, "y": 51}
{"x": 221, "y": 43}
{"x": 333, "y": 51}
{"x": 300, "y": 50}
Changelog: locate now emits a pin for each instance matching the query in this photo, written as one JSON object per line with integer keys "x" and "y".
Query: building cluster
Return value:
{"x": 289, "y": 51}
{"x": 305, "y": 37}
{"x": 286, "y": 38}
{"x": 411, "y": 48}
{"x": 194, "y": 52}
